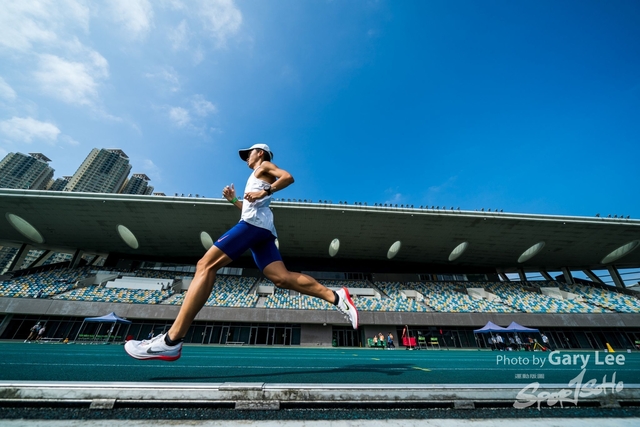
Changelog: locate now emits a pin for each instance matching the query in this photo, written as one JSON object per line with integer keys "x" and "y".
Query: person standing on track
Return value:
{"x": 255, "y": 231}
{"x": 41, "y": 332}
{"x": 33, "y": 332}
{"x": 545, "y": 341}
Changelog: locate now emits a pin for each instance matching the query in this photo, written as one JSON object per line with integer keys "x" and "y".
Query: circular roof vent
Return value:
{"x": 334, "y": 247}
{"x": 458, "y": 251}
{"x": 206, "y": 240}
{"x": 128, "y": 237}
{"x": 620, "y": 252}
{"x": 394, "y": 249}
{"x": 531, "y": 252}
{"x": 24, "y": 228}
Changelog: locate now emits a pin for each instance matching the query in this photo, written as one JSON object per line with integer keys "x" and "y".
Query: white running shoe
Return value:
{"x": 155, "y": 348}
{"x": 347, "y": 307}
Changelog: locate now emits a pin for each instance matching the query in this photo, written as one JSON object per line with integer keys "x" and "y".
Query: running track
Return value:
{"x": 219, "y": 364}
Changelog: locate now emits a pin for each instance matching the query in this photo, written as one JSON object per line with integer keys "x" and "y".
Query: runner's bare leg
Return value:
{"x": 283, "y": 278}
{"x": 199, "y": 291}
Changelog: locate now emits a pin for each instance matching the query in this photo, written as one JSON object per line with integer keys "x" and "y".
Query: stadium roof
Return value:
{"x": 171, "y": 229}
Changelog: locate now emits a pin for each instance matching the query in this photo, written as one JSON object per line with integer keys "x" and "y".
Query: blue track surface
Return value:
{"x": 216, "y": 364}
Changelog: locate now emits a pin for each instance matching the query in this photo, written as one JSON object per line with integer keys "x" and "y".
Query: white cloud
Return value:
{"x": 172, "y": 4}
{"x": 179, "y": 116}
{"x": 445, "y": 186}
{"x": 70, "y": 141}
{"x": 169, "y": 75}
{"x": 6, "y": 91}
{"x": 71, "y": 82}
{"x": 179, "y": 36}
{"x": 395, "y": 198}
{"x": 25, "y": 23}
{"x": 210, "y": 19}
{"x": 192, "y": 117}
{"x": 221, "y": 19}
{"x": 198, "y": 56}
{"x": 135, "y": 16}
{"x": 29, "y": 129}
{"x": 202, "y": 107}
{"x": 98, "y": 65}
{"x": 151, "y": 169}
{"x": 45, "y": 33}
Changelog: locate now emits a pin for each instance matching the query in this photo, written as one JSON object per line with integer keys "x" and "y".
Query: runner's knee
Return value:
{"x": 280, "y": 280}
{"x": 212, "y": 261}
{"x": 280, "y": 283}
{"x": 207, "y": 265}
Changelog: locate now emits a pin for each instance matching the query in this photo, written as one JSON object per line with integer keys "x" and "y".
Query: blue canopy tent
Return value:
{"x": 489, "y": 328}
{"x": 515, "y": 327}
{"x": 110, "y": 318}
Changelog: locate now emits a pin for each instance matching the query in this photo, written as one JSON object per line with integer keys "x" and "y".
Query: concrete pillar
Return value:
{"x": 19, "y": 258}
{"x": 567, "y": 275}
{"x": 616, "y": 277}
{"x": 546, "y": 275}
{"x": 591, "y": 275}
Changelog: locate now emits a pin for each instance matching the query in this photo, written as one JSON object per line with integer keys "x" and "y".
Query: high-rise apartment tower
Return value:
{"x": 137, "y": 184}
{"x": 30, "y": 172}
{"x": 103, "y": 171}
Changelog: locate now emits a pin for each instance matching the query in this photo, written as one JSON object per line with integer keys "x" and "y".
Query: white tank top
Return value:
{"x": 258, "y": 213}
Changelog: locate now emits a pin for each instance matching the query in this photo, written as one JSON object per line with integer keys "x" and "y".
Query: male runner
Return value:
{"x": 255, "y": 231}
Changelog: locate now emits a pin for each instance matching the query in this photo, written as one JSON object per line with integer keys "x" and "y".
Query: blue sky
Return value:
{"x": 527, "y": 106}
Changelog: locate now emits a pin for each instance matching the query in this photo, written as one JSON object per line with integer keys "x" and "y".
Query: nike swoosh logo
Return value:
{"x": 149, "y": 351}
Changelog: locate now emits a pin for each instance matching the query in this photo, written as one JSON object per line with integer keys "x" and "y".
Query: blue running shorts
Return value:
{"x": 245, "y": 236}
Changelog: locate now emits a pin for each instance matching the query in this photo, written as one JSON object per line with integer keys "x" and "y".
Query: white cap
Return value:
{"x": 244, "y": 154}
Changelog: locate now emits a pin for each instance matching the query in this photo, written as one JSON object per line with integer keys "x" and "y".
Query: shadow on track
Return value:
{"x": 390, "y": 370}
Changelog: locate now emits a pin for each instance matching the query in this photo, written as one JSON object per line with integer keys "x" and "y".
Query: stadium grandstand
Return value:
{"x": 440, "y": 272}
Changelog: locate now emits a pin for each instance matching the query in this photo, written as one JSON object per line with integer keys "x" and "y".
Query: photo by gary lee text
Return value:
{"x": 556, "y": 358}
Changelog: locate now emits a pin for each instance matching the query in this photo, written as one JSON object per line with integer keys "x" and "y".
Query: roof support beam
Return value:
{"x": 616, "y": 277}
{"x": 19, "y": 258}
{"x": 77, "y": 256}
{"x": 503, "y": 275}
{"x": 94, "y": 260}
{"x": 591, "y": 275}
{"x": 568, "y": 278}
{"x": 546, "y": 275}
{"x": 523, "y": 276}
{"x": 5, "y": 322}
{"x": 42, "y": 258}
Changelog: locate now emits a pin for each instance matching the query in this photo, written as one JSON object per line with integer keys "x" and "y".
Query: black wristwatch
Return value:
{"x": 267, "y": 188}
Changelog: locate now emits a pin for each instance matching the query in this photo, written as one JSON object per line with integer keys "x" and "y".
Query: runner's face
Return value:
{"x": 253, "y": 158}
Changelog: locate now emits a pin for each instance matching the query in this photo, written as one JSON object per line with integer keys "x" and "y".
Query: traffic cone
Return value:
{"x": 611, "y": 350}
